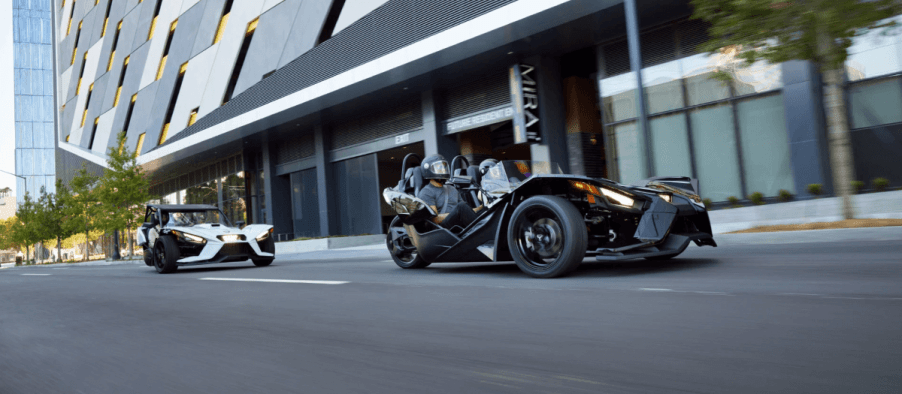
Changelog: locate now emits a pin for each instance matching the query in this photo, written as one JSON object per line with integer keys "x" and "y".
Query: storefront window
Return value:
{"x": 663, "y": 87}
{"x": 874, "y": 54}
{"x": 876, "y": 103}
{"x": 765, "y": 145}
{"x": 716, "y": 161}
{"x": 619, "y": 97}
{"x": 670, "y": 145}
{"x": 630, "y": 152}
{"x": 701, "y": 86}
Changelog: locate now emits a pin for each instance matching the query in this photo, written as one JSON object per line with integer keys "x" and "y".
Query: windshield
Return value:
{"x": 192, "y": 218}
{"x": 507, "y": 175}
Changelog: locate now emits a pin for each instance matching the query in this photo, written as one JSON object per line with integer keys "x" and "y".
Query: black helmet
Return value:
{"x": 436, "y": 167}
{"x": 486, "y": 164}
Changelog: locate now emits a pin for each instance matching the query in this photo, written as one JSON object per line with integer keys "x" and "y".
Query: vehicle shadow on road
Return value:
{"x": 203, "y": 269}
{"x": 591, "y": 268}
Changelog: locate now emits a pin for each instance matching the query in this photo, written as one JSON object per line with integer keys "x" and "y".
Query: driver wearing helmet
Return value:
{"x": 444, "y": 199}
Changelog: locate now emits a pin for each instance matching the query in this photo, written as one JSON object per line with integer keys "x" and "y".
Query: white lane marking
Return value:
{"x": 60, "y": 268}
{"x": 313, "y": 282}
{"x": 653, "y": 289}
{"x": 35, "y": 274}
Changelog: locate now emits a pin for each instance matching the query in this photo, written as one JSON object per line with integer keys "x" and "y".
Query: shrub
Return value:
{"x": 815, "y": 189}
{"x": 734, "y": 202}
{"x": 880, "y": 184}
{"x": 707, "y": 203}
{"x": 757, "y": 198}
{"x": 785, "y": 195}
{"x": 857, "y": 186}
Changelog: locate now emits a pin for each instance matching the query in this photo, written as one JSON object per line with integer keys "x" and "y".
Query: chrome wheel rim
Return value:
{"x": 540, "y": 237}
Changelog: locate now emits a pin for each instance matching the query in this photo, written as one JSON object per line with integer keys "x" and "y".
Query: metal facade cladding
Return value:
{"x": 395, "y": 25}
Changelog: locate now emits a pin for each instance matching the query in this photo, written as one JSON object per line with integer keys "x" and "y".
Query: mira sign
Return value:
{"x": 525, "y": 97}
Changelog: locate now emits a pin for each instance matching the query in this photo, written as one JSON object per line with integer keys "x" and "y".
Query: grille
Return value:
{"x": 390, "y": 27}
{"x": 616, "y": 58}
{"x": 658, "y": 46}
{"x": 378, "y": 124}
{"x": 235, "y": 250}
{"x": 295, "y": 149}
{"x": 487, "y": 92}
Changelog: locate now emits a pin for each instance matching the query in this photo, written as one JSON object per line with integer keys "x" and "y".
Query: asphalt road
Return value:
{"x": 742, "y": 318}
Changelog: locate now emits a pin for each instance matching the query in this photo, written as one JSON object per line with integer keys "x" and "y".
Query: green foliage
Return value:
{"x": 757, "y": 198}
{"x": 857, "y": 186}
{"x": 880, "y": 184}
{"x": 785, "y": 195}
{"x": 26, "y": 230}
{"x": 81, "y": 204}
{"x": 707, "y": 203}
{"x": 815, "y": 189}
{"x": 123, "y": 189}
{"x": 7, "y": 234}
{"x": 777, "y": 30}
{"x": 734, "y": 202}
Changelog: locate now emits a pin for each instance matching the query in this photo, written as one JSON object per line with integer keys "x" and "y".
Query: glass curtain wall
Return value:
{"x": 699, "y": 125}
{"x": 33, "y": 90}
{"x": 873, "y": 70}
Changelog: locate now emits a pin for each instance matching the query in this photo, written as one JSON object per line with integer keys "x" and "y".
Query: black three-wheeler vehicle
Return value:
{"x": 545, "y": 221}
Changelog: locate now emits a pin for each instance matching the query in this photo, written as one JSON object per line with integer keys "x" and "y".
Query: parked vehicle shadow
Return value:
{"x": 590, "y": 267}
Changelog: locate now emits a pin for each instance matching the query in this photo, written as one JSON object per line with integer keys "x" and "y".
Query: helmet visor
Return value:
{"x": 439, "y": 168}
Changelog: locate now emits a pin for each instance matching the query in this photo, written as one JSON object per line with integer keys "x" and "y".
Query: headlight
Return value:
{"x": 230, "y": 237}
{"x": 190, "y": 237}
{"x": 264, "y": 235}
{"x": 666, "y": 197}
{"x": 618, "y": 198}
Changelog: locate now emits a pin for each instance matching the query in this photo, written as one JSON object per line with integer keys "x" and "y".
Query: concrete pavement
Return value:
{"x": 814, "y": 317}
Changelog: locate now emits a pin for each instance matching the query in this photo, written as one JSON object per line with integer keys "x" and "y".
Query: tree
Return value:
{"x": 81, "y": 205}
{"x": 819, "y": 31}
{"x": 26, "y": 229}
{"x": 52, "y": 215}
{"x": 123, "y": 190}
{"x": 7, "y": 234}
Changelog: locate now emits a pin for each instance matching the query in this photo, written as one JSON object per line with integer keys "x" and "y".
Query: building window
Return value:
{"x": 77, "y": 35}
{"x": 93, "y": 134}
{"x": 226, "y": 11}
{"x": 166, "y": 49}
{"x": 153, "y": 22}
{"x": 87, "y": 103}
{"x": 172, "y": 100}
{"x": 69, "y": 26}
{"x": 121, "y": 80}
{"x": 765, "y": 145}
{"x": 345, "y": 13}
{"x": 81, "y": 73}
{"x": 106, "y": 18}
{"x": 115, "y": 44}
{"x": 715, "y": 151}
{"x": 128, "y": 114}
{"x": 140, "y": 145}
{"x": 875, "y": 103}
{"x": 192, "y": 118}
{"x": 239, "y": 63}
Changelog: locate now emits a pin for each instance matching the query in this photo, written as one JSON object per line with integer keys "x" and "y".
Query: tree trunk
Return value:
{"x": 27, "y": 252}
{"x": 838, "y": 136}
{"x": 86, "y": 241}
{"x": 131, "y": 245}
{"x": 116, "y": 255}
{"x": 59, "y": 249}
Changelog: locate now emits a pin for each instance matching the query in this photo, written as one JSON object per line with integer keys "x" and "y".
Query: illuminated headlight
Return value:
{"x": 264, "y": 235}
{"x": 666, "y": 197}
{"x": 618, "y": 198}
{"x": 190, "y": 237}
{"x": 230, "y": 237}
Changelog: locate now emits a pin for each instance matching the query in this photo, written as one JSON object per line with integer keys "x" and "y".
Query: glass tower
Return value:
{"x": 33, "y": 68}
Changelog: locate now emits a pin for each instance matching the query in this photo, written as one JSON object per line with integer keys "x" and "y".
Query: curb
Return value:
{"x": 314, "y": 245}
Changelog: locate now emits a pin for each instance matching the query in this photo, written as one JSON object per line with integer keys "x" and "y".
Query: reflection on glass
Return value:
{"x": 701, "y": 86}
{"x": 630, "y": 152}
{"x": 765, "y": 145}
{"x": 619, "y": 97}
{"x": 663, "y": 88}
{"x": 714, "y": 143}
{"x": 874, "y": 54}
{"x": 875, "y": 103}
{"x": 670, "y": 145}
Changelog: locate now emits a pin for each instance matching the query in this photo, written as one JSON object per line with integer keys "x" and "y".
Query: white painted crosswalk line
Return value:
{"x": 313, "y": 282}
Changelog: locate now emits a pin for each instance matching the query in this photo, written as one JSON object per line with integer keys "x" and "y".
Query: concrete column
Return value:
{"x": 278, "y": 193}
{"x": 805, "y": 127}
{"x": 435, "y": 140}
{"x": 323, "y": 181}
{"x": 635, "y": 50}
{"x": 552, "y": 113}
{"x": 267, "y": 178}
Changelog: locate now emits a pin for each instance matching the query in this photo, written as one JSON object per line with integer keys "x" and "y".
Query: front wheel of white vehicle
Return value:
{"x": 166, "y": 255}
{"x": 267, "y": 246}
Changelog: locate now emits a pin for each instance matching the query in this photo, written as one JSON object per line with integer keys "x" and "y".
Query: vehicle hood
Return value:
{"x": 212, "y": 231}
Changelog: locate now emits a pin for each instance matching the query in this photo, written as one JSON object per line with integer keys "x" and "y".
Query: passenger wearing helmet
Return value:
{"x": 444, "y": 199}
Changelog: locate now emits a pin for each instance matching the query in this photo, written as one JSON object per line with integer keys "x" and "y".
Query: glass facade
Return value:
{"x": 730, "y": 134}
{"x": 33, "y": 89}
{"x": 873, "y": 68}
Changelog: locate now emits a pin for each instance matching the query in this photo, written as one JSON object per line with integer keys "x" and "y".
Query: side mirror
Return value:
{"x": 240, "y": 223}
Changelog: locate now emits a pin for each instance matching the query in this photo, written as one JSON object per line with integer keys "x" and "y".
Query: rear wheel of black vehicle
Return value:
{"x": 547, "y": 237}
{"x": 166, "y": 255}
{"x": 664, "y": 257}
{"x": 148, "y": 257}
{"x": 268, "y": 246}
{"x": 402, "y": 250}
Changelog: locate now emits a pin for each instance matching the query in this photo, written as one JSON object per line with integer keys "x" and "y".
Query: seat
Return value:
{"x": 412, "y": 182}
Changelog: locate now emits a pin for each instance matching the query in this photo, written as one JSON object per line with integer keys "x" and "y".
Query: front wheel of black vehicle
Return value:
{"x": 268, "y": 246}
{"x": 166, "y": 255}
{"x": 402, "y": 250}
{"x": 547, "y": 237}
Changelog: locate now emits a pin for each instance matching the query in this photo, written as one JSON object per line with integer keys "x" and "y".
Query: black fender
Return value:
{"x": 502, "y": 251}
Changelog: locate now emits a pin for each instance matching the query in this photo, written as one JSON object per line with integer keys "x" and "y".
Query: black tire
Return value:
{"x": 547, "y": 237}
{"x": 403, "y": 252}
{"x": 148, "y": 257}
{"x": 664, "y": 257}
{"x": 268, "y": 246}
{"x": 166, "y": 255}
